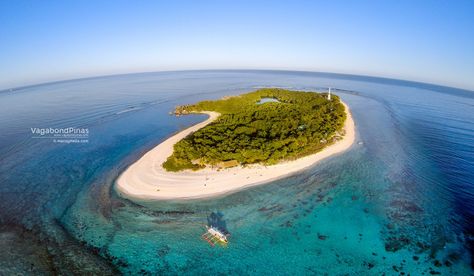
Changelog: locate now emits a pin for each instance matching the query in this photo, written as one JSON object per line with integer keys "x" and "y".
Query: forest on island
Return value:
{"x": 293, "y": 125}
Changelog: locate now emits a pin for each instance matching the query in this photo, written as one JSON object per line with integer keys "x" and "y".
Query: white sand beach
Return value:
{"x": 146, "y": 178}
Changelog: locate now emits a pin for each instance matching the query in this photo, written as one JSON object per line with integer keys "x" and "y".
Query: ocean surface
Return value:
{"x": 400, "y": 201}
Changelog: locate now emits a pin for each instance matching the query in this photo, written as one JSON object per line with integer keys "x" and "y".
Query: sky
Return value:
{"x": 427, "y": 41}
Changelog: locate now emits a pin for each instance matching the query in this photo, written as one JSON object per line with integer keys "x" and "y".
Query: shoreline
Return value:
{"x": 146, "y": 179}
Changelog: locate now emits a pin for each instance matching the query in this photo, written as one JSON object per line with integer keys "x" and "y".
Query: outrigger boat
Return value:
{"x": 215, "y": 236}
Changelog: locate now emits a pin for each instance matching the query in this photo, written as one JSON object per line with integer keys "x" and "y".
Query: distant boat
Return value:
{"x": 213, "y": 235}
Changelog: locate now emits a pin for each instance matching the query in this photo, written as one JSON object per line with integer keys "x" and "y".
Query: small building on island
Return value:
{"x": 227, "y": 164}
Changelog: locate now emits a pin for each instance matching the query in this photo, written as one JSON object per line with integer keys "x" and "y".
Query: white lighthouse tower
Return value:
{"x": 329, "y": 94}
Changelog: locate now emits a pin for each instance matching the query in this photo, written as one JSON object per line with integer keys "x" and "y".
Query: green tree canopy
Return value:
{"x": 299, "y": 124}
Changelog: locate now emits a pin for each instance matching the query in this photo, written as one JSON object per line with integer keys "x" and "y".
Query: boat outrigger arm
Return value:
{"x": 213, "y": 235}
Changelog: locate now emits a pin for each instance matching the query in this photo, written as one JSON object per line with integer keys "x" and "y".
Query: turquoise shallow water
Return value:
{"x": 400, "y": 200}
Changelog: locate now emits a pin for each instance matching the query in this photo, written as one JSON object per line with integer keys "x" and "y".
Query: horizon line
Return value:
{"x": 334, "y": 74}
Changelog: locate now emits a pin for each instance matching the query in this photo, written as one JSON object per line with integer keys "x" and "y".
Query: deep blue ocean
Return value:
{"x": 400, "y": 201}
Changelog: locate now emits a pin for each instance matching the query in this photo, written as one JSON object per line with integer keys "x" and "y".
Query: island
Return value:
{"x": 247, "y": 140}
